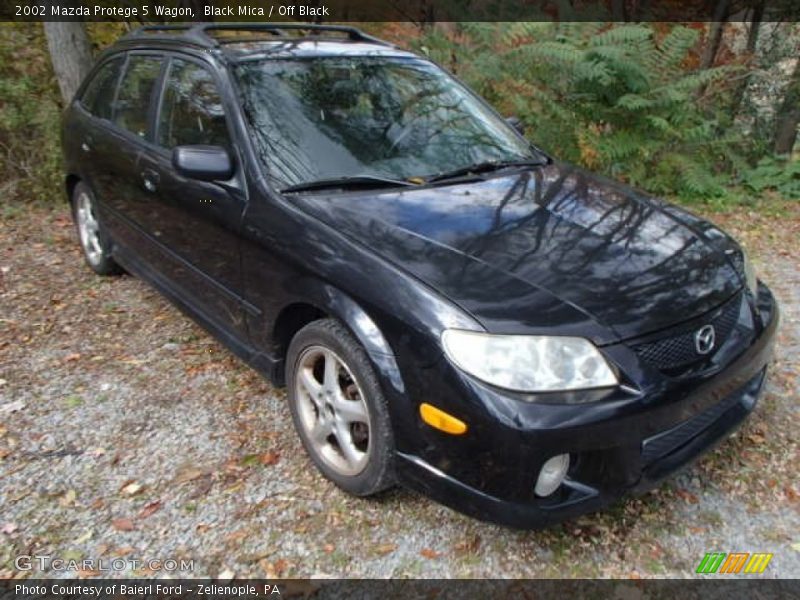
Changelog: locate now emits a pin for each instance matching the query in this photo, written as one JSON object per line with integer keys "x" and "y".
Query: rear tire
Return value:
{"x": 95, "y": 242}
{"x": 338, "y": 408}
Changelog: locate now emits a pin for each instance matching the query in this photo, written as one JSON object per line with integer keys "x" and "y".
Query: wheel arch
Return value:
{"x": 322, "y": 300}
{"x": 70, "y": 182}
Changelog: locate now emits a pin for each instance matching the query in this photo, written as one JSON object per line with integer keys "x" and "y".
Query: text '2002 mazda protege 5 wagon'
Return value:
{"x": 449, "y": 307}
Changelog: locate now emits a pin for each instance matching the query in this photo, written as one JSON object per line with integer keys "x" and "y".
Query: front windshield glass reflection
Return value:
{"x": 333, "y": 117}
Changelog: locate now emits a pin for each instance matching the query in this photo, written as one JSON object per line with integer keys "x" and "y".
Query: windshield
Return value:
{"x": 334, "y": 117}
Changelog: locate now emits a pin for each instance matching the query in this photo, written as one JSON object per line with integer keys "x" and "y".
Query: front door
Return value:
{"x": 196, "y": 222}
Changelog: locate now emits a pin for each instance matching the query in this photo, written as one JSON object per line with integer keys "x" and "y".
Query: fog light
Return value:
{"x": 551, "y": 475}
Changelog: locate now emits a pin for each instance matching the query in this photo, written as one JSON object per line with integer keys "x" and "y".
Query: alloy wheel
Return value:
{"x": 332, "y": 410}
{"x": 88, "y": 228}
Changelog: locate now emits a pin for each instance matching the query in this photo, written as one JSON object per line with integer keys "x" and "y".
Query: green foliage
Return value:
{"x": 774, "y": 173}
{"x": 30, "y": 112}
{"x": 614, "y": 98}
{"x": 29, "y": 117}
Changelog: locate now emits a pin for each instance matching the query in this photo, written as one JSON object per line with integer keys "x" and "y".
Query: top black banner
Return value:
{"x": 416, "y": 11}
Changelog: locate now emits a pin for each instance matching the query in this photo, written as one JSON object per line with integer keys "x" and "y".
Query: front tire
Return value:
{"x": 94, "y": 240}
{"x": 338, "y": 408}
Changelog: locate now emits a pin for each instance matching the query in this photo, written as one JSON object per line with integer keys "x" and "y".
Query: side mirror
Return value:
{"x": 206, "y": 163}
{"x": 516, "y": 124}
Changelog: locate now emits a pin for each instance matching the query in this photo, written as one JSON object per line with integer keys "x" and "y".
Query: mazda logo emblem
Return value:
{"x": 704, "y": 339}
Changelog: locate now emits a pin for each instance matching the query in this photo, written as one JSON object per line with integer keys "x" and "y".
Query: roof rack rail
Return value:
{"x": 202, "y": 33}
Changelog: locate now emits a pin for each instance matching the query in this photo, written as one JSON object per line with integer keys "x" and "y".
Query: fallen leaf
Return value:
{"x": 237, "y": 536}
{"x": 85, "y": 574}
{"x": 202, "y": 488}
{"x": 328, "y": 548}
{"x": 149, "y": 509}
{"x": 469, "y": 545}
{"x": 270, "y": 458}
{"x": 236, "y": 487}
{"x": 428, "y": 553}
{"x": 384, "y": 549}
{"x": 84, "y": 538}
{"x": 280, "y": 566}
{"x": 189, "y": 474}
{"x": 226, "y": 575}
{"x": 9, "y": 528}
{"x": 68, "y": 499}
{"x": 132, "y": 488}
{"x": 697, "y": 530}
{"x": 122, "y": 524}
{"x": 72, "y": 357}
{"x": 250, "y": 460}
{"x": 688, "y": 496}
{"x": 10, "y": 407}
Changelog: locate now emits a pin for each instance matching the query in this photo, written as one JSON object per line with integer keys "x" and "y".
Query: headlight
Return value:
{"x": 529, "y": 363}
{"x": 750, "y": 278}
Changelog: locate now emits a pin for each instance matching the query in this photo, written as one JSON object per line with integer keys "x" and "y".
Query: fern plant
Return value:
{"x": 614, "y": 98}
{"x": 779, "y": 174}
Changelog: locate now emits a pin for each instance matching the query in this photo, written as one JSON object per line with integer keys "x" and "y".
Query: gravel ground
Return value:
{"x": 126, "y": 431}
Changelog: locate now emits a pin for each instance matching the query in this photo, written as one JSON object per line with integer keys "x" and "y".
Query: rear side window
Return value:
{"x": 99, "y": 93}
{"x": 191, "y": 111}
{"x": 133, "y": 99}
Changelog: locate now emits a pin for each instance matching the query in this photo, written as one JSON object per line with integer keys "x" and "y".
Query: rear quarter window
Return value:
{"x": 135, "y": 91}
{"x": 99, "y": 93}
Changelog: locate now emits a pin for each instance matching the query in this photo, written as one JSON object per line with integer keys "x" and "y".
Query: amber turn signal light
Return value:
{"x": 440, "y": 420}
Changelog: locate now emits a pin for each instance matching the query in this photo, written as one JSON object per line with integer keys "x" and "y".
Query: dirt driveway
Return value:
{"x": 126, "y": 431}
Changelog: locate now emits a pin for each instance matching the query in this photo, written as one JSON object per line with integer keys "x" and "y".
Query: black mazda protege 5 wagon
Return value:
{"x": 449, "y": 307}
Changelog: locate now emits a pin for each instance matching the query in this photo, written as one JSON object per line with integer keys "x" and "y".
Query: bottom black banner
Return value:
{"x": 408, "y": 589}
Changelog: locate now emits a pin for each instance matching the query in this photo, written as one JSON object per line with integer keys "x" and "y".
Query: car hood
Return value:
{"x": 548, "y": 249}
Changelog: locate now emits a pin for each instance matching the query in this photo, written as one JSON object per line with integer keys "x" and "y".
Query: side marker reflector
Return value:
{"x": 438, "y": 419}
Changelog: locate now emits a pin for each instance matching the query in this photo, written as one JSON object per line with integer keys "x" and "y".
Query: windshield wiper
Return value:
{"x": 483, "y": 167}
{"x": 357, "y": 181}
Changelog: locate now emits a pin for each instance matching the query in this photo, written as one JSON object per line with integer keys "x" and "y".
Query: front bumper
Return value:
{"x": 623, "y": 442}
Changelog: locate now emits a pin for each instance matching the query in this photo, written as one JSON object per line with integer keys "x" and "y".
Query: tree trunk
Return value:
{"x": 70, "y": 53}
{"x": 788, "y": 115}
{"x": 716, "y": 28}
{"x": 618, "y": 11}
{"x": 752, "y": 45}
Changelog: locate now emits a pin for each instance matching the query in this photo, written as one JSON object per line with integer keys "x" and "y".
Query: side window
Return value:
{"x": 191, "y": 111}
{"x": 99, "y": 94}
{"x": 133, "y": 99}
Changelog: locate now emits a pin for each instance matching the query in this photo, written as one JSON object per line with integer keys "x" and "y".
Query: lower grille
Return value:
{"x": 678, "y": 348}
{"x": 662, "y": 444}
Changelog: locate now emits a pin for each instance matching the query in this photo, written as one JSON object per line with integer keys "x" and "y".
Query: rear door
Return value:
{"x": 132, "y": 124}
{"x": 93, "y": 140}
{"x": 197, "y": 222}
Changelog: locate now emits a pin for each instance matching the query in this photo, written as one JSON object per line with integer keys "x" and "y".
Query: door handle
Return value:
{"x": 150, "y": 180}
